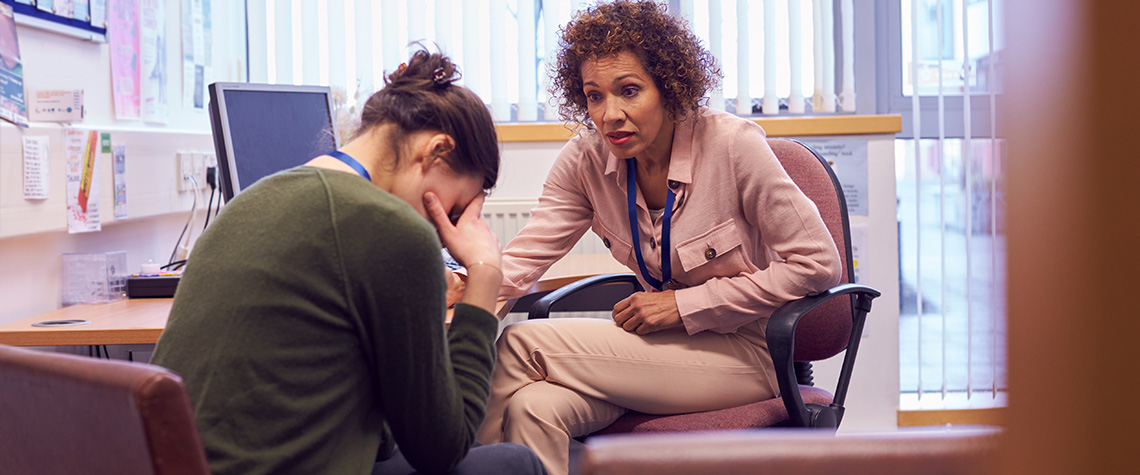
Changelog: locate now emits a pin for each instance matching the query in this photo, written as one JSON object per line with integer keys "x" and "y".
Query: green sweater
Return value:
{"x": 309, "y": 331}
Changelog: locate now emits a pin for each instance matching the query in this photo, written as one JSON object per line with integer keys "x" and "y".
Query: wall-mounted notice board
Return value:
{"x": 82, "y": 19}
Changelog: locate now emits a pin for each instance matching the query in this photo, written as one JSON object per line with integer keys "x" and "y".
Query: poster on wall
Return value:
{"x": 13, "y": 107}
{"x": 152, "y": 49}
{"x": 858, "y": 261}
{"x": 197, "y": 46}
{"x": 81, "y": 147}
{"x": 119, "y": 158}
{"x": 123, "y": 33}
{"x": 848, "y": 158}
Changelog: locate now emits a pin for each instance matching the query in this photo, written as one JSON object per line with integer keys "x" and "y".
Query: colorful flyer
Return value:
{"x": 37, "y": 168}
{"x": 119, "y": 158}
{"x": 123, "y": 34}
{"x": 13, "y": 107}
{"x": 82, "y": 181}
{"x": 152, "y": 49}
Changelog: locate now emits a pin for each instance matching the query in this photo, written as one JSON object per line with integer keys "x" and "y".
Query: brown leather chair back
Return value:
{"x": 69, "y": 414}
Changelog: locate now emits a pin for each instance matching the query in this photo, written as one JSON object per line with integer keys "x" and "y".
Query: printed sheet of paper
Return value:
{"x": 82, "y": 181}
{"x": 119, "y": 157}
{"x": 848, "y": 158}
{"x": 197, "y": 43}
{"x": 82, "y": 10}
{"x": 123, "y": 34}
{"x": 37, "y": 168}
{"x": 99, "y": 13}
{"x": 152, "y": 49}
{"x": 65, "y": 8}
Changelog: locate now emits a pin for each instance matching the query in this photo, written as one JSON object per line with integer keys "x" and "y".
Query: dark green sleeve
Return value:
{"x": 432, "y": 383}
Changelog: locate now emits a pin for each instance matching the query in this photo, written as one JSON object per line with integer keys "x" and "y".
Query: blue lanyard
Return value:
{"x": 348, "y": 160}
{"x": 666, "y": 252}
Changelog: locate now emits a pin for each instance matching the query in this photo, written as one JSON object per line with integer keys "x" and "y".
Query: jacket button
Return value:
{"x": 673, "y": 184}
{"x": 606, "y": 242}
{"x": 652, "y": 243}
{"x": 710, "y": 253}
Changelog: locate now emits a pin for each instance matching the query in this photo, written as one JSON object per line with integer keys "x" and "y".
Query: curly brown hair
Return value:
{"x": 681, "y": 68}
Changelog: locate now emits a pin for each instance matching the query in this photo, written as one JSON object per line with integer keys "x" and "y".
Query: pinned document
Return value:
{"x": 37, "y": 168}
{"x": 82, "y": 181}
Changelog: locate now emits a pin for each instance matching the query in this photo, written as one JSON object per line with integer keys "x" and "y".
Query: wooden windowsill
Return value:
{"x": 774, "y": 126}
{"x": 995, "y": 416}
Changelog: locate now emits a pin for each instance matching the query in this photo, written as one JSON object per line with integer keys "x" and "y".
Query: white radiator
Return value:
{"x": 507, "y": 217}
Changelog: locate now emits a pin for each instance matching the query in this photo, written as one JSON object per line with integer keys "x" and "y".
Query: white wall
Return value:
{"x": 33, "y": 232}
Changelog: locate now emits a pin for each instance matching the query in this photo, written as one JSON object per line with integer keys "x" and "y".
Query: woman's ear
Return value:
{"x": 438, "y": 147}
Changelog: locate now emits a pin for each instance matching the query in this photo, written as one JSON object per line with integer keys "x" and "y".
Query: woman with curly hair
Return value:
{"x": 693, "y": 201}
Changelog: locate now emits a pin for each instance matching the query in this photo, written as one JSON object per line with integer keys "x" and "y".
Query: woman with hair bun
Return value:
{"x": 693, "y": 201}
{"x": 309, "y": 324}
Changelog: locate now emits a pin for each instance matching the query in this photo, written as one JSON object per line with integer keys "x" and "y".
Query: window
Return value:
{"x": 950, "y": 194}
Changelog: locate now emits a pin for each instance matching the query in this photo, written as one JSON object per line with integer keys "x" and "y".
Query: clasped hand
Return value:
{"x": 648, "y": 312}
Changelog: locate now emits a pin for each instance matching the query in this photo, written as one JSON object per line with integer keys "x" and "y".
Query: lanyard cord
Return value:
{"x": 348, "y": 160}
{"x": 666, "y": 252}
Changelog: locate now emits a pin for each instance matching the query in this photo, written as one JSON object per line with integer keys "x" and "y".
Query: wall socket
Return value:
{"x": 192, "y": 164}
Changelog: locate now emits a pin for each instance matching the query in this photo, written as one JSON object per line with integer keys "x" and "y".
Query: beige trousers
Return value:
{"x": 567, "y": 377}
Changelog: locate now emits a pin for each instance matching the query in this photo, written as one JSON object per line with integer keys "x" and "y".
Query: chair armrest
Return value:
{"x": 541, "y": 308}
{"x": 781, "y": 335}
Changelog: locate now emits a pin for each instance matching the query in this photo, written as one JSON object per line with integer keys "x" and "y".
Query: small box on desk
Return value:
{"x": 94, "y": 277}
{"x": 152, "y": 286}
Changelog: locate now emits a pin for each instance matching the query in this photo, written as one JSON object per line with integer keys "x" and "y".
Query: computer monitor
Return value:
{"x": 261, "y": 129}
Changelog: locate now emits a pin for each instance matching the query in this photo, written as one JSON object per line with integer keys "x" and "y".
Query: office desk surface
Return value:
{"x": 130, "y": 321}
{"x": 141, "y": 321}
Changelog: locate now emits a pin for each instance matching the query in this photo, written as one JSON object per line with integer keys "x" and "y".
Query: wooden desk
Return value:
{"x": 141, "y": 321}
{"x": 126, "y": 322}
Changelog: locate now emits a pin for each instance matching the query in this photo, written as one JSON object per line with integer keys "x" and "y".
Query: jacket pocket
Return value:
{"x": 618, "y": 247}
{"x": 716, "y": 253}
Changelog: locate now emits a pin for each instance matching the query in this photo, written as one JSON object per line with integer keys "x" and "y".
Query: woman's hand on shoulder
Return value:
{"x": 648, "y": 312}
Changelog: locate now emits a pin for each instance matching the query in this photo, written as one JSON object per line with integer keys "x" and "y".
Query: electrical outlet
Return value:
{"x": 191, "y": 164}
{"x": 200, "y": 169}
{"x": 184, "y": 166}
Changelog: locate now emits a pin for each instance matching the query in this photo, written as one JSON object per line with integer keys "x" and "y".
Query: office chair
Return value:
{"x": 813, "y": 328}
{"x": 69, "y": 414}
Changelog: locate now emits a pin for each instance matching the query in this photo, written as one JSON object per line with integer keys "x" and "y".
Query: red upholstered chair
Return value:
{"x": 810, "y": 329}
{"x": 70, "y": 414}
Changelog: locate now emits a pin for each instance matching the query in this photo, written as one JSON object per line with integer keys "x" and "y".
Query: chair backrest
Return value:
{"x": 826, "y": 330}
{"x": 69, "y": 414}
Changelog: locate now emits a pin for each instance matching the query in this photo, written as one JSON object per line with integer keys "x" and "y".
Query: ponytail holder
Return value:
{"x": 440, "y": 77}
{"x": 402, "y": 67}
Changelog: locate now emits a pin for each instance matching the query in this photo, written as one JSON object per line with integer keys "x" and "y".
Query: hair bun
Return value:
{"x": 424, "y": 70}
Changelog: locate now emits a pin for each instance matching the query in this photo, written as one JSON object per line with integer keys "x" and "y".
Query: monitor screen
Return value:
{"x": 261, "y": 129}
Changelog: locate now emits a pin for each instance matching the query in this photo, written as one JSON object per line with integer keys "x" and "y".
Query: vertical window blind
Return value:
{"x": 951, "y": 208}
{"x": 778, "y": 56}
